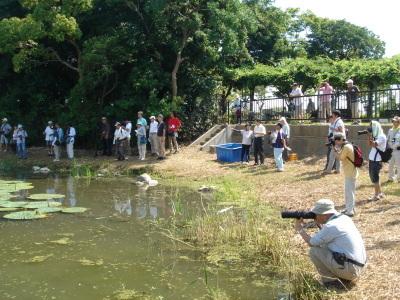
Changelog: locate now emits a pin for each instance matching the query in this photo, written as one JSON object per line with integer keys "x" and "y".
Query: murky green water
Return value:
{"x": 113, "y": 247}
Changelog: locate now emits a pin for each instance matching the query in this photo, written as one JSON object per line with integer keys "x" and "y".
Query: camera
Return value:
{"x": 297, "y": 214}
{"x": 331, "y": 141}
{"x": 362, "y": 132}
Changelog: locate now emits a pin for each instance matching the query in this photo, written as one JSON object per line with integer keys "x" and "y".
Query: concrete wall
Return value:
{"x": 309, "y": 140}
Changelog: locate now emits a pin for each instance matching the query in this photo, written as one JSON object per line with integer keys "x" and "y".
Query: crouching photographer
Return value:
{"x": 337, "y": 250}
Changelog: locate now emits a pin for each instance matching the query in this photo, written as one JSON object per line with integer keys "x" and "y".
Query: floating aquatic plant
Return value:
{"x": 45, "y": 196}
{"x": 25, "y": 215}
{"x": 73, "y": 210}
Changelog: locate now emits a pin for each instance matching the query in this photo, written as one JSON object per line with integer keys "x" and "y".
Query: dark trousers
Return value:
{"x": 121, "y": 149}
{"x": 106, "y": 146}
{"x": 285, "y": 154}
{"x": 259, "y": 150}
{"x": 245, "y": 153}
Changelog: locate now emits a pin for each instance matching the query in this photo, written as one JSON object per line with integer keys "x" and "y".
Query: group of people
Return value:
{"x": 14, "y": 137}
{"x": 279, "y": 140}
{"x": 338, "y": 250}
{"x": 326, "y": 103}
{"x": 55, "y": 137}
{"x": 156, "y": 132}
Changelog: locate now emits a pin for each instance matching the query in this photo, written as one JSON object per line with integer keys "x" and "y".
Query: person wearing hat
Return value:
{"x": 49, "y": 137}
{"x": 353, "y": 103}
{"x": 345, "y": 153}
{"x": 161, "y": 133}
{"x": 21, "y": 136}
{"x": 5, "y": 131}
{"x": 394, "y": 144}
{"x": 120, "y": 136}
{"x": 153, "y": 136}
{"x": 278, "y": 141}
{"x": 296, "y": 96}
{"x": 337, "y": 250}
{"x": 128, "y": 129}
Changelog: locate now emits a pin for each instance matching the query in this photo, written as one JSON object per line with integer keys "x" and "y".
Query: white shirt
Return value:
{"x": 71, "y": 133}
{"x": 336, "y": 124}
{"x": 49, "y": 133}
{"x": 153, "y": 127}
{"x": 259, "y": 131}
{"x": 128, "y": 128}
{"x": 381, "y": 141}
{"x": 286, "y": 130}
{"x": 120, "y": 134}
{"x": 296, "y": 92}
{"x": 246, "y": 137}
{"x": 340, "y": 234}
{"x": 394, "y": 138}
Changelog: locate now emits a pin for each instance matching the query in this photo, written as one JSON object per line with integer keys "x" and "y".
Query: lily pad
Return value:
{"x": 25, "y": 215}
{"x": 46, "y": 210}
{"x": 13, "y": 204}
{"x": 73, "y": 210}
{"x": 15, "y": 187}
{"x": 45, "y": 196}
{"x": 3, "y": 209}
{"x": 42, "y": 204}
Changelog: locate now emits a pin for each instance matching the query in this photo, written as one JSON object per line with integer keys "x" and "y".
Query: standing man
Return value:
{"x": 325, "y": 108}
{"x": 337, "y": 250}
{"x": 394, "y": 144}
{"x": 259, "y": 134}
{"x": 141, "y": 120}
{"x": 377, "y": 141}
{"x": 337, "y": 126}
{"x": 57, "y": 141}
{"x": 20, "y": 137}
{"x": 49, "y": 137}
{"x": 5, "y": 132}
{"x": 296, "y": 96}
{"x": 105, "y": 135}
{"x": 120, "y": 136}
{"x": 71, "y": 134}
{"x": 128, "y": 129}
{"x": 353, "y": 102}
{"x": 174, "y": 125}
{"x": 153, "y": 136}
{"x": 345, "y": 152}
{"x": 161, "y": 133}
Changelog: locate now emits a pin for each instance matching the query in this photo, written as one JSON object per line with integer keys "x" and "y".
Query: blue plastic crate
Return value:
{"x": 229, "y": 152}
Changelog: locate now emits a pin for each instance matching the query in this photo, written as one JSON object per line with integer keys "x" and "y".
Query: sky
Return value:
{"x": 380, "y": 17}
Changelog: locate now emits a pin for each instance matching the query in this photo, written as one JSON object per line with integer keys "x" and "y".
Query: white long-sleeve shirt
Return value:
{"x": 120, "y": 134}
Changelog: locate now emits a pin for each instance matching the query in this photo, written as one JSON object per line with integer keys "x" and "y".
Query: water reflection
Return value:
{"x": 124, "y": 208}
{"x": 71, "y": 191}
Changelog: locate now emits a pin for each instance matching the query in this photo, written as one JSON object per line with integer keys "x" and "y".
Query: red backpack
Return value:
{"x": 358, "y": 157}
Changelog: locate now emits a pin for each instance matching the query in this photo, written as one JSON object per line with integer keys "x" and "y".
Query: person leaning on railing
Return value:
{"x": 337, "y": 250}
{"x": 353, "y": 102}
{"x": 325, "y": 108}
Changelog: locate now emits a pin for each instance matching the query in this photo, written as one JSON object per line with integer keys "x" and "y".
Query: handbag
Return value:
{"x": 143, "y": 140}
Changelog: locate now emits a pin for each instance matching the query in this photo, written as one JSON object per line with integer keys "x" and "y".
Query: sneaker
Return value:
{"x": 374, "y": 198}
{"x": 280, "y": 170}
{"x": 334, "y": 285}
{"x": 381, "y": 195}
{"x": 349, "y": 214}
{"x": 142, "y": 159}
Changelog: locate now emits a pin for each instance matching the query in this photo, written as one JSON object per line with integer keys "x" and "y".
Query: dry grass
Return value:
{"x": 299, "y": 187}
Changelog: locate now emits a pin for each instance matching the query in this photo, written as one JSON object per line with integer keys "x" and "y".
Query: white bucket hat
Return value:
{"x": 349, "y": 81}
{"x": 324, "y": 207}
{"x": 5, "y": 120}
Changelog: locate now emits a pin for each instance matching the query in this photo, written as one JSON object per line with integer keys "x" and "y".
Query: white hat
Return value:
{"x": 5, "y": 120}
{"x": 152, "y": 117}
{"x": 19, "y": 126}
{"x": 50, "y": 122}
{"x": 324, "y": 207}
{"x": 117, "y": 124}
{"x": 349, "y": 81}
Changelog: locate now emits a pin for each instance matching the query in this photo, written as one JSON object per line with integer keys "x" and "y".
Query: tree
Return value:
{"x": 339, "y": 39}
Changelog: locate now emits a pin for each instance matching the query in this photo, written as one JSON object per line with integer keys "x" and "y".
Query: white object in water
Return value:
{"x": 153, "y": 182}
{"x": 224, "y": 210}
{"x": 36, "y": 169}
{"x": 44, "y": 170}
{"x": 144, "y": 178}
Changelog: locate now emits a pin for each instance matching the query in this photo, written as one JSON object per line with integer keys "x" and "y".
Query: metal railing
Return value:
{"x": 364, "y": 105}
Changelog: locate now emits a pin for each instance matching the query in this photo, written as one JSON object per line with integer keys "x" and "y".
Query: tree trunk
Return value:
{"x": 223, "y": 102}
{"x": 178, "y": 62}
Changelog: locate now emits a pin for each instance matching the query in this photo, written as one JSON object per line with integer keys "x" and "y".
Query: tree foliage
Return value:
{"x": 77, "y": 60}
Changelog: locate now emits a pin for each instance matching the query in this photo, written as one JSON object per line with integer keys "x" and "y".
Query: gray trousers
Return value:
{"x": 329, "y": 269}
{"x": 350, "y": 193}
{"x": 333, "y": 161}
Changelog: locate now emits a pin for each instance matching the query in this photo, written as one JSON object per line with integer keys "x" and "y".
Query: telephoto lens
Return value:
{"x": 298, "y": 214}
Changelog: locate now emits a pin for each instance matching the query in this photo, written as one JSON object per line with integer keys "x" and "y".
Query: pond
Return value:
{"x": 115, "y": 250}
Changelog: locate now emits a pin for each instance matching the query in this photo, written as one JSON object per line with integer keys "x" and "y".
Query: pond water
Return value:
{"x": 114, "y": 251}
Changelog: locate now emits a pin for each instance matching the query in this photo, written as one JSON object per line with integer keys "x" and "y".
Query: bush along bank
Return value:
{"x": 236, "y": 226}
